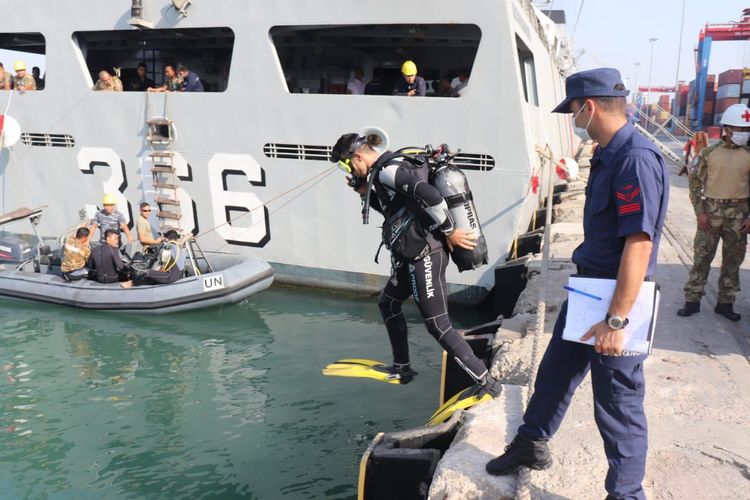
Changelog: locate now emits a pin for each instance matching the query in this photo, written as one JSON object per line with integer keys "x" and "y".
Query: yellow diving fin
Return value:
{"x": 464, "y": 400}
{"x": 367, "y": 368}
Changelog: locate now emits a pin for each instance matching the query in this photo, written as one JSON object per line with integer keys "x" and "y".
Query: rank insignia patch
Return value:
{"x": 629, "y": 200}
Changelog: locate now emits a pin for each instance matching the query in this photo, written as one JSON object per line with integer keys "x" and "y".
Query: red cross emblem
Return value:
{"x": 746, "y": 116}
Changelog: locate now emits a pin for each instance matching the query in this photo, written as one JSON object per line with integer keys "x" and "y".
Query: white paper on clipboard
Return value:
{"x": 584, "y": 312}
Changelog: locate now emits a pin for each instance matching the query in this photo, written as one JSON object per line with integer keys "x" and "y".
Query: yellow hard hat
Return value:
{"x": 408, "y": 68}
{"x": 109, "y": 200}
{"x": 19, "y": 66}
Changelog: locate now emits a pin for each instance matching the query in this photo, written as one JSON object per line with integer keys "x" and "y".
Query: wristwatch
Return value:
{"x": 616, "y": 322}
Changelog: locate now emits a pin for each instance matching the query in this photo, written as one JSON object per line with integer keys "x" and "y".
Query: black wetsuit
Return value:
{"x": 106, "y": 261}
{"x": 402, "y": 186}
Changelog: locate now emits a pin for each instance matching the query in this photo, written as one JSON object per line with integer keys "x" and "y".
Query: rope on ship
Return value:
{"x": 312, "y": 181}
{"x": 523, "y": 483}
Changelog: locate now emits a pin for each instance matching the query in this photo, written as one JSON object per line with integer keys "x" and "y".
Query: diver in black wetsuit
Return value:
{"x": 105, "y": 259}
{"x": 417, "y": 229}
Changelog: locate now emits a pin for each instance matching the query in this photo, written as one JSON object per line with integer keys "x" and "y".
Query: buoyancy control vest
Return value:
{"x": 401, "y": 233}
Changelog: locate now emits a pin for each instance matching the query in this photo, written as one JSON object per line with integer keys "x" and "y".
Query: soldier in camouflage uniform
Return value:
{"x": 719, "y": 183}
{"x": 108, "y": 82}
{"x": 172, "y": 81}
{"x": 23, "y": 81}
{"x": 5, "y": 78}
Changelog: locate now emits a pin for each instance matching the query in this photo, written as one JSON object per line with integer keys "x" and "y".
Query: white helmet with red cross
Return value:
{"x": 736, "y": 115}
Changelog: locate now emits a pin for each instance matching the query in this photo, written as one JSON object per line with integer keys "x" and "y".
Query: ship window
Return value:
{"x": 28, "y": 49}
{"x": 527, "y": 72}
{"x": 207, "y": 53}
{"x": 323, "y": 59}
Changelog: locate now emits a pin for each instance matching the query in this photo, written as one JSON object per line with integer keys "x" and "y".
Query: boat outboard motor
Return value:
{"x": 454, "y": 188}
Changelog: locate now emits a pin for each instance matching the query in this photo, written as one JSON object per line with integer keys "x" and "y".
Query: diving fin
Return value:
{"x": 464, "y": 400}
{"x": 367, "y": 368}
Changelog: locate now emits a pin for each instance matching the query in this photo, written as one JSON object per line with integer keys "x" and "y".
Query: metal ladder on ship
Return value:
{"x": 160, "y": 138}
{"x": 660, "y": 128}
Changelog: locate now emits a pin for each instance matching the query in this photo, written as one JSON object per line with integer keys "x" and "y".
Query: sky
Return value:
{"x": 615, "y": 33}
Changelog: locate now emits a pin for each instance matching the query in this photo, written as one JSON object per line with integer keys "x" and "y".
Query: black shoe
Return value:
{"x": 521, "y": 452}
{"x": 689, "y": 309}
{"x": 727, "y": 310}
{"x": 403, "y": 373}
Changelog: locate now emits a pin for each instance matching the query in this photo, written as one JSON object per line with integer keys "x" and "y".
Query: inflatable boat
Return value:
{"x": 212, "y": 280}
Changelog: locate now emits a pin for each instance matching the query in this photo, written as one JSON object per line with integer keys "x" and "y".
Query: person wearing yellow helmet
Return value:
{"x": 110, "y": 218}
{"x": 23, "y": 81}
{"x": 410, "y": 84}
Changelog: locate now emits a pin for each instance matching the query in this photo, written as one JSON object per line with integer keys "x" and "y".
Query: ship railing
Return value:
{"x": 666, "y": 150}
{"x": 535, "y": 22}
{"x": 672, "y": 142}
{"x": 675, "y": 121}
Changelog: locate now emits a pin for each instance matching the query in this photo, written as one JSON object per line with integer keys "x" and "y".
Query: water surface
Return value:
{"x": 224, "y": 403}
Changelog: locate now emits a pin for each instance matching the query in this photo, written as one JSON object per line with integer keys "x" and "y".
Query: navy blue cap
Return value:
{"x": 600, "y": 82}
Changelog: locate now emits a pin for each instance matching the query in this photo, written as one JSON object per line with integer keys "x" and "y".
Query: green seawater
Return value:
{"x": 221, "y": 403}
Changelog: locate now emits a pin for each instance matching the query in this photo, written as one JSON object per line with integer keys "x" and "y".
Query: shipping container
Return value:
{"x": 729, "y": 90}
{"x": 713, "y": 132}
{"x": 730, "y": 76}
{"x": 745, "y": 101}
{"x": 708, "y": 107}
{"x": 722, "y": 104}
{"x": 746, "y": 87}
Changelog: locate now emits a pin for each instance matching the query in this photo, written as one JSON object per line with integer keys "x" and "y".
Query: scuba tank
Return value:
{"x": 454, "y": 188}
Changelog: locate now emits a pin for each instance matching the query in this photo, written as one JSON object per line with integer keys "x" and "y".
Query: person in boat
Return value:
{"x": 146, "y": 236}
{"x": 107, "y": 82}
{"x": 109, "y": 218}
{"x": 76, "y": 254}
{"x": 172, "y": 81}
{"x": 419, "y": 255}
{"x": 105, "y": 259}
{"x": 410, "y": 84}
{"x": 169, "y": 265}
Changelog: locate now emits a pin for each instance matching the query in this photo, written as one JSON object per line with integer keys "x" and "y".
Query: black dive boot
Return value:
{"x": 727, "y": 310}
{"x": 521, "y": 452}
{"x": 491, "y": 385}
{"x": 689, "y": 309}
{"x": 403, "y": 373}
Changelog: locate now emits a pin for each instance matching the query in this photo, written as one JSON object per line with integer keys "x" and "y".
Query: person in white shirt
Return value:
{"x": 356, "y": 86}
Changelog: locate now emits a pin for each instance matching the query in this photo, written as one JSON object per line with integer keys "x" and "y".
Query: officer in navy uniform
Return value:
{"x": 626, "y": 203}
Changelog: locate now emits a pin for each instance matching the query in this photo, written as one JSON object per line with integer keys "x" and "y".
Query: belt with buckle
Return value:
{"x": 736, "y": 200}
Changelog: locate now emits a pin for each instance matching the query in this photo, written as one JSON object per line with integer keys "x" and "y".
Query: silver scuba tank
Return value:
{"x": 454, "y": 188}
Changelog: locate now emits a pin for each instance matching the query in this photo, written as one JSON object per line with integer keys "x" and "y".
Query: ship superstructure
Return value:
{"x": 245, "y": 163}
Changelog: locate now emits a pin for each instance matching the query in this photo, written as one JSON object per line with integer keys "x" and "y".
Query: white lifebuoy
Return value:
{"x": 11, "y": 131}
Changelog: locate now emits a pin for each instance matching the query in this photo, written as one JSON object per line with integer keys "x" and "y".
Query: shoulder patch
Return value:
{"x": 629, "y": 199}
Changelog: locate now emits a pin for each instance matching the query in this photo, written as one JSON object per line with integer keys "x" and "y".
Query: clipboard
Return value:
{"x": 584, "y": 311}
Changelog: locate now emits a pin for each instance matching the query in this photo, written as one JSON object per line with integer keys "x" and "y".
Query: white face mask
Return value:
{"x": 740, "y": 138}
{"x": 582, "y": 132}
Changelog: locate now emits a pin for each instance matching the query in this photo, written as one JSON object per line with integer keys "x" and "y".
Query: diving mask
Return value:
{"x": 346, "y": 165}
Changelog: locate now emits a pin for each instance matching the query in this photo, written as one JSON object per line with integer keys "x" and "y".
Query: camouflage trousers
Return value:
{"x": 726, "y": 220}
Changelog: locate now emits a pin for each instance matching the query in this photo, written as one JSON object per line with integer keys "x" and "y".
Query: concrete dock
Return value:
{"x": 697, "y": 385}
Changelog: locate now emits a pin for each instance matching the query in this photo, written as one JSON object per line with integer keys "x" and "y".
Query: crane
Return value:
{"x": 714, "y": 33}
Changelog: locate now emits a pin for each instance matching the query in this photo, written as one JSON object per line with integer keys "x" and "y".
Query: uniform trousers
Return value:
{"x": 725, "y": 219}
{"x": 619, "y": 388}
